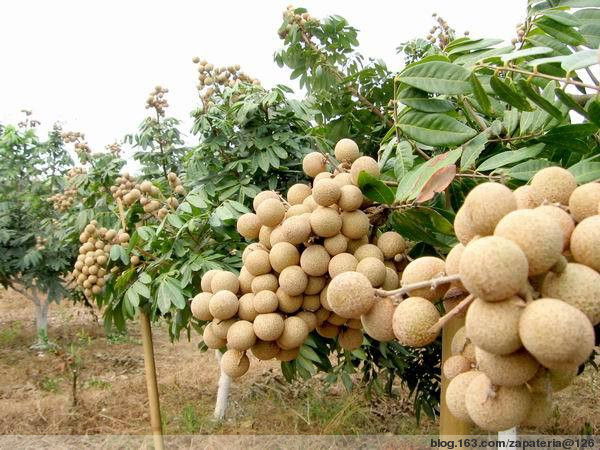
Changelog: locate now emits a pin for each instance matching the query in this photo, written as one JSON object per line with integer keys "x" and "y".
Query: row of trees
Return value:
{"x": 463, "y": 110}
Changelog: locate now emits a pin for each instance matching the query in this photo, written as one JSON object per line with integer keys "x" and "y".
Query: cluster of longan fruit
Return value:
{"x": 40, "y": 243}
{"x": 64, "y": 200}
{"x": 114, "y": 148}
{"x": 291, "y": 17}
{"x": 530, "y": 260}
{"x": 520, "y": 28}
{"x": 90, "y": 270}
{"x": 313, "y": 236}
{"x": 126, "y": 189}
{"x": 157, "y": 100}
{"x": 78, "y": 140}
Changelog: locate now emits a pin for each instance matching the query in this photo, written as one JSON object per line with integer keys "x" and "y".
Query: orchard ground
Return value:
{"x": 36, "y": 390}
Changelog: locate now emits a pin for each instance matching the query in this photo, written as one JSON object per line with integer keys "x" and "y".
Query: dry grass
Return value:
{"x": 36, "y": 395}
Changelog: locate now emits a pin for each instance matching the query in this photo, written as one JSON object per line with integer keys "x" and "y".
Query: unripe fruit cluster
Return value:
{"x": 90, "y": 270}
{"x": 312, "y": 255}
{"x": 157, "y": 100}
{"x": 210, "y": 77}
{"x": 64, "y": 200}
{"x": 530, "y": 258}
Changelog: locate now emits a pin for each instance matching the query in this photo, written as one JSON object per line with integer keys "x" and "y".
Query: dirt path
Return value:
{"x": 36, "y": 395}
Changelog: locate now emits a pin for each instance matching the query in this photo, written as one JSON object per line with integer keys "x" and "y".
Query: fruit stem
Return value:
{"x": 464, "y": 303}
{"x": 432, "y": 283}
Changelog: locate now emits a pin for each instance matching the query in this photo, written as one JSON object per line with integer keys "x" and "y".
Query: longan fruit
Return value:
{"x": 266, "y": 282}
{"x": 245, "y": 280}
{"x": 264, "y": 237}
{"x": 223, "y": 280}
{"x": 223, "y": 305}
{"x": 585, "y": 242}
{"x": 368, "y": 250}
{"x": 240, "y": 335}
{"x": 340, "y": 263}
{"x": 343, "y": 179}
{"x": 282, "y": 255}
{"x": 310, "y": 203}
{"x": 199, "y": 306}
{"x": 295, "y": 331}
{"x": 314, "y": 163}
{"x": 391, "y": 244}
{"x": 268, "y": 327}
{"x": 297, "y": 229}
{"x": 261, "y": 196}
{"x": 265, "y": 350}
{"x": 412, "y": 319}
{"x": 346, "y": 150}
{"x": 366, "y": 164}
{"x": 270, "y": 212}
{"x": 354, "y": 244}
{"x": 246, "y": 309}
{"x": 234, "y": 363}
{"x": 486, "y": 204}
{"x": 210, "y": 339}
{"x": 293, "y": 280}
{"x": 296, "y": 210}
{"x": 584, "y": 201}
{"x": 391, "y": 280}
{"x": 553, "y": 184}
{"x": 350, "y": 295}
{"x": 326, "y": 192}
{"x": 257, "y": 263}
{"x": 315, "y": 285}
{"x": 355, "y": 224}
{"x": 422, "y": 269}
{"x": 315, "y": 260}
{"x": 374, "y": 269}
{"x": 325, "y": 222}
{"x": 524, "y": 196}
{"x": 564, "y": 219}
{"x": 350, "y": 339}
{"x": 311, "y": 303}
{"x": 309, "y": 318}
{"x": 350, "y": 199}
{"x": 297, "y": 193}
{"x": 336, "y": 244}
{"x": 265, "y": 302}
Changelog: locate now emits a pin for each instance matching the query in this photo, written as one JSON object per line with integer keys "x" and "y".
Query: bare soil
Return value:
{"x": 37, "y": 391}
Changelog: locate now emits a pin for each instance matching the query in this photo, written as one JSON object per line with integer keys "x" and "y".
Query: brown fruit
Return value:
{"x": 412, "y": 319}
{"x": 366, "y": 164}
{"x": 326, "y": 192}
{"x": 314, "y": 163}
{"x": 248, "y": 225}
{"x": 422, "y": 269}
{"x": 297, "y": 229}
{"x": 553, "y": 184}
{"x": 240, "y": 335}
{"x": 267, "y": 282}
{"x": 325, "y": 222}
{"x": 297, "y": 193}
{"x": 455, "y": 365}
{"x": 246, "y": 309}
{"x": 346, "y": 150}
{"x": 377, "y": 322}
{"x": 268, "y": 327}
{"x": 288, "y": 303}
{"x": 257, "y": 263}
{"x": 391, "y": 244}
{"x": 368, "y": 250}
{"x": 265, "y": 350}
{"x": 200, "y": 308}
{"x": 585, "y": 242}
{"x": 486, "y": 204}
{"x": 282, "y": 255}
{"x": 336, "y": 244}
{"x": 564, "y": 219}
{"x": 261, "y": 196}
{"x": 350, "y": 198}
{"x": 234, "y": 363}
{"x": 210, "y": 339}
{"x": 265, "y": 302}
{"x": 350, "y": 295}
{"x": 223, "y": 305}
{"x": 343, "y": 262}
{"x": 293, "y": 280}
{"x": 524, "y": 196}
{"x": 584, "y": 201}
{"x": 223, "y": 280}
{"x": 373, "y": 268}
{"x": 271, "y": 212}
{"x": 350, "y": 339}
{"x": 295, "y": 331}
{"x": 355, "y": 224}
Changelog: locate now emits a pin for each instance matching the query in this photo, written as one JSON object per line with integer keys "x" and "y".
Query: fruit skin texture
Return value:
{"x": 411, "y": 322}
{"x": 524, "y": 196}
{"x": 223, "y": 280}
{"x": 552, "y": 380}
{"x": 377, "y": 322}
{"x": 373, "y": 269}
{"x": 565, "y": 221}
{"x": 315, "y": 260}
{"x": 336, "y": 244}
{"x": 493, "y": 268}
{"x": 539, "y": 411}
{"x": 265, "y": 302}
{"x": 557, "y": 334}
{"x": 240, "y": 335}
{"x": 297, "y": 193}
{"x": 421, "y": 269}
{"x": 313, "y": 164}
{"x": 486, "y": 204}
{"x": 248, "y": 225}
{"x": 505, "y": 408}
{"x": 577, "y": 285}
{"x": 297, "y": 229}
{"x": 350, "y": 339}
{"x": 585, "y": 242}
{"x": 584, "y": 201}
{"x": 246, "y": 309}
{"x": 453, "y": 262}
{"x": 364, "y": 163}
{"x": 351, "y": 198}
{"x": 223, "y": 305}
{"x": 288, "y": 355}
{"x": 367, "y": 250}
{"x": 343, "y": 262}
{"x": 391, "y": 281}
{"x": 350, "y": 295}
{"x": 257, "y": 263}
{"x": 326, "y": 192}
{"x": 494, "y": 326}
{"x": 391, "y": 243}
{"x": 234, "y": 363}
{"x": 355, "y": 224}
{"x": 206, "y": 280}
{"x": 293, "y": 280}
{"x": 455, "y": 365}
{"x": 211, "y": 339}
{"x": 325, "y": 222}
{"x": 265, "y": 350}
{"x": 508, "y": 370}
{"x": 455, "y": 394}
{"x": 271, "y": 212}
{"x": 346, "y": 150}
{"x": 200, "y": 308}
{"x": 295, "y": 331}
{"x": 539, "y": 236}
{"x": 553, "y": 184}
{"x": 462, "y": 226}
{"x": 282, "y": 255}
{"x": 268, "y": 327}
{"x": 262, "y": 196}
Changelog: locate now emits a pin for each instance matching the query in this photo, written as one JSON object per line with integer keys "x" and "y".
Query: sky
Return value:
{"x": 91, "y": 64}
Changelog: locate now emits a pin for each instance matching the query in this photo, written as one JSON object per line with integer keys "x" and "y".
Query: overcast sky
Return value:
{"x": 91, "y": 64}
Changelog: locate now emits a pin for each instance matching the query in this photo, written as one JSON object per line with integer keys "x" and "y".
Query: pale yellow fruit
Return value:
{"x": 584, "y": 201}
{"x": 323, "y": 299}
{"x": 496, "y": 408}
{"x": 494, "y": 326}
{"x": 422, "y": 269}
{"x": 463, "y": 228}
{"x": 289, "y": 303}
{"x": 557, "y": 334}
{"x": 223, "y": 280}
{"x": 539, "y": 411}
{"x": 366, "y": 164}
{"x": 455, "y": 365}
{"x": 538, "y": 235}
{"x": 309, "y": 318}
{"x": 354, "y": 244}
{"x": 265, "y": 350}
{"x": 262, "y": 196}
{"x": 577, "y": 285}
{"x": 264, "y": 236}
{"x": 524, "y": 196}
{"x": 322, "y": 314}
{"x": 246, "y": 309}
{"x": 462, "y": 345}
{"x": 564, "y": 219}
{"x": 456, "y": 393}
{"x": 271, "y": 212}
{"x": 350, "y": 295}
{"x": 311, "y": 303}
{"x": 210, "y": 339}
{"x": 234, "y": 363}
{"x": 391, "y": 244}
{"x": 585, "y": 242}
{"x": 268, "y": 327}
{"x": 199, "y": 306}
{"x": 223, "y": 305}
{"x": 315, "y": 285}
{"x": 377, "y": 322}
{"x": 282, "y": 255}
{"x": 297, "y": 229}
{"x": 350, "y": 198}
{"x": 220, "y": 327}
{"x": 293, "y": 280}
{"x": 245, "y": 279}
{"x": 265, "y": 302}
{"x": 343, "y": 262}
{"x": 325, "y": 222}
{"x": 554, "y": 185}
{"x": 493, "y": 268}
{"x": 343, "y": 179}
{"x": 257, "y": 263}
{"x": 276, "y": 236}
{"x": 336, "y": 320}
{"x": 296, "y": 210}
{"x": 514, "y": 369}
{"x": 248, "y": 225}
{"x": 297, "y": 193}
{"x": 453, "y": 262}
{"x": 326, "y": 192}
{"x": 295, "y": 331}
{"x": 314, "y": 163}
{"x": 486, "y": 204}
{"x": 412, "y": 319}
{"x": 373, "y": 268}
{"x": 350, "y": 339}
{"x": 336, "y": 244}
{"x": 368, "y": 250}
{"x": 240, "y": 335}
{"x": 288, "y": 355}
{"x": 355, "y": 224}
{"x": 346, "y": 150}
{"x": 391, "y": 280}
{"x": 249, "y": 249}
{"x": 546, "y": 380}
{"x": 315, "y": 260}
{"x": 310, "y": 203}
{"x": 267, "y": 282}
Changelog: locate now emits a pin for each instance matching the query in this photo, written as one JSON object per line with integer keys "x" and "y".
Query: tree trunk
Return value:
{"x": 41, "y": 321}
{"x": 222, "y": 392}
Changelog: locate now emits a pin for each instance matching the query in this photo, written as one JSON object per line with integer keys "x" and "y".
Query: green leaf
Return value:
{"x": 526, "y": 170}
{"x": 169, "y": 293}
{"x": 428, "y": 104}
{"x": 510, "y": 120}
{"x": 310, "y": 354}
{"x": 532, "y": 94}
{"x": 438, "y": 77}
{"x": 580, "y": 60}
{"x": 437, "y": 130}
{"x": 510, "y": 157}
{"x": 593, "y": 110}
{"x": 469, "y": 59}
{"x": 586, "y": 171}
{"x": 572, "y": 131}
{"x": 175, "y": 220}
{"x": 132, "y": 297}
{"x": 525, "y": 52}
{"x": 580, "y": 3}
{"x": 587, "y": 16}
{"x": 141, "y": 289}
{"x": 375, "y": 189}
{"x": 509, "y": 95}
{"x": 472, "y": 45}
{"x": 591, "y": 33}
{"x": 405, "y": 159}
{"x": 562, "y": 17}
{"x": 472, "y": 149}
{"x": 559, "y": 31}
{"x": 567, "y": 100}
{"x": 480, "y": 94}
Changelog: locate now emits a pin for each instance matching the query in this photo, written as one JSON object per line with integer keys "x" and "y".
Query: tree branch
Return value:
{"x": 432, "y": 283}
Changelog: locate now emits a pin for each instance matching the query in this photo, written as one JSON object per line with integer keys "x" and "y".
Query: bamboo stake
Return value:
{"x": 150, "y": 367}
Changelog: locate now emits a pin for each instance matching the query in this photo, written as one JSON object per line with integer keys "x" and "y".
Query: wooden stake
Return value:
{"x": 450, "y": 425}
{"x": 151, "y": 384}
